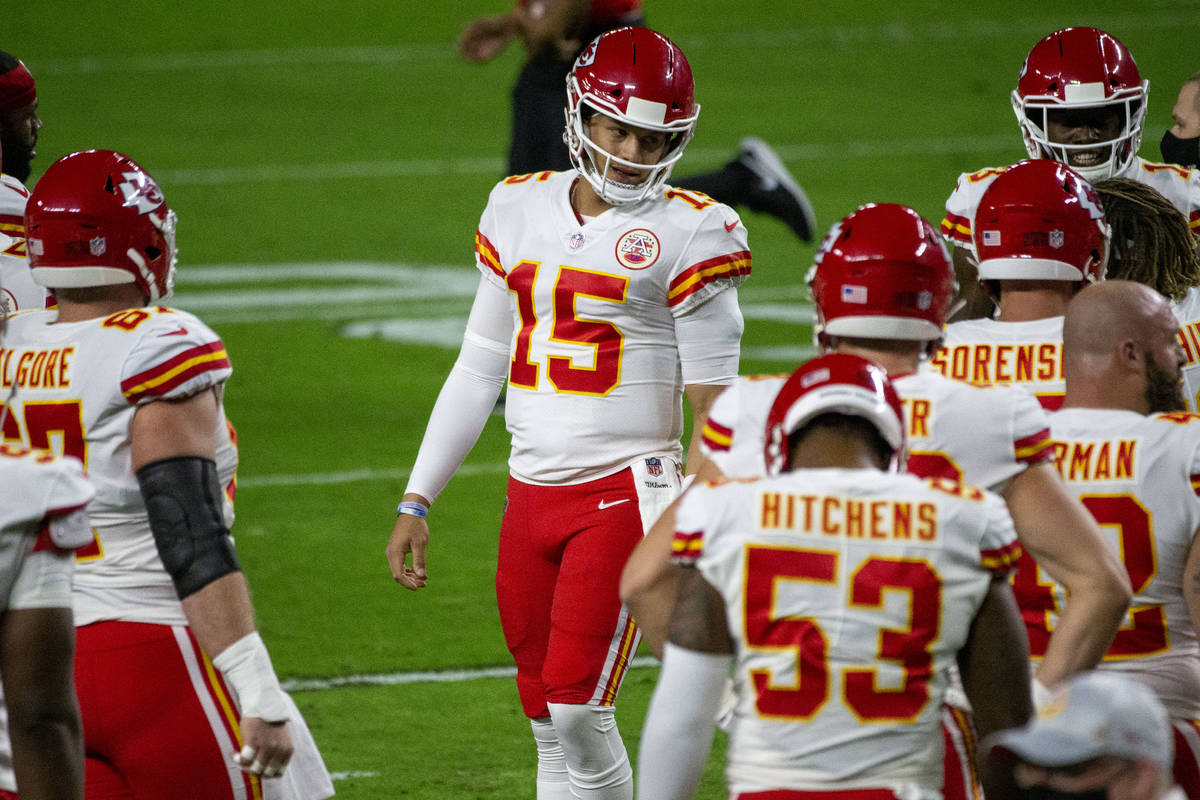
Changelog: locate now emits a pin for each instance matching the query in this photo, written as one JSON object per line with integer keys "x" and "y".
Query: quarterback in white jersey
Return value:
{"x": 606, "y": 297}
{"x": 1138, "y": 473}
{"x": 599, "y": 384}
{"x": 793, "y": 574}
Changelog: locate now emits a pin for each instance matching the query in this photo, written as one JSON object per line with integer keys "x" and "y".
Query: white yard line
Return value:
{"x": 422, "y": 676}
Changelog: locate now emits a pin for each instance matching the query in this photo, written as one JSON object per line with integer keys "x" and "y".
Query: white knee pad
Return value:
{"x": 597, "y": 764}
{"x": 552, "y": 781}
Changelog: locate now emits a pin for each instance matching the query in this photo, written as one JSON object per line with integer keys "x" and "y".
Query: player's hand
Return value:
{"x": 410, "y": 535}
{"x": 485, "y": 38}
{"x": 266, "y": 747}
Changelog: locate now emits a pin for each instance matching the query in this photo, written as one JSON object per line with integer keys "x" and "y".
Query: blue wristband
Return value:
{"x": 413, "y": 508}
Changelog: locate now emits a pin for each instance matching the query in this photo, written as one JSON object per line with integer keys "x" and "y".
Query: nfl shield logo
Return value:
{"x": 576, "y": 241}
{"x": 97, "y": 245}
{"x": 654, "y": 466}
{"x": 1057, "y": 239}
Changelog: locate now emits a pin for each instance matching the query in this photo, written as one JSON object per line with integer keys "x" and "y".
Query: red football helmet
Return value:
{"x": 883, "y": 272}
{"x": 96, "y": 218}
{"x": 837, "y": 383}
{"x": 1081, "y": 68}
{"x": 641, "y": 78}
{"x": 1038, "y": 220}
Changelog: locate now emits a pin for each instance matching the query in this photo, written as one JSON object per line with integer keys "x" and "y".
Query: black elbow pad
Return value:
{"x": 183, "y": 500}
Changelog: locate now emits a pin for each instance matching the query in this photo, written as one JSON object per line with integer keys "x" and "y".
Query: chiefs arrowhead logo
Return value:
{"x": 140, "y": 192}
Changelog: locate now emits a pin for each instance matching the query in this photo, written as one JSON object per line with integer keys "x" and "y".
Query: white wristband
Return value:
{"x": 247, "y": 668}
{"x": 1042, "y": 696}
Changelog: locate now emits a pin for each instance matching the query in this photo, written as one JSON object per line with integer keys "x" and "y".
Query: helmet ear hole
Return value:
{"x": 152, "y": 253}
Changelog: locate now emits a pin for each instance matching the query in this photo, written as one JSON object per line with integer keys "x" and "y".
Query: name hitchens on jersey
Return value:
{"x": 852, "y": 519}
{"x": 36, "y": 369}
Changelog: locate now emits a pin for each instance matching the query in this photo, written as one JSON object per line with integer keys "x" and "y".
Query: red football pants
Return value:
{"x": 562, "y": 549}
{"x": 158, "y": 722}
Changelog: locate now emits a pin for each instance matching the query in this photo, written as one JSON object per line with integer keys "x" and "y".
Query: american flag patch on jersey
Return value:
{"x": 654, "y": 466}
{"x": 991, "y": 238}
{"x": 854, "y": 294}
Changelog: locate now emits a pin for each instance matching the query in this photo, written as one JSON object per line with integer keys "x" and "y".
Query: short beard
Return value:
{"x": 1162, "y": 389}
{"x": 17, "y": 158}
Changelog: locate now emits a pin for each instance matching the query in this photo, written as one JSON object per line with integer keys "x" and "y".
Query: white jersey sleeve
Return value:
{"x": 595, "y": 380}
{"x": 961, "y": 206}
{"x": 734, "y": 435}
{"x": 1180, "y": 185}
{"x": 13, "y": 197}
{"x": 812, "y": 566}
{"x": 41, "y": 491}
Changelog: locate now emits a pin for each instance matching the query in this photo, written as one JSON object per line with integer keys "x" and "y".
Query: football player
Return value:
{"x": 1081, "y": 101}
{"x": 606, "y": 296}
{"x": 1151, "y": 244}
{"x": 553, "y": 33}
{"x": 840, "y": 592}
{"x": 42, "y": 520}
{"x": 134, "y": 389}
{"x": 1134, "y": 462}
{"x": 1041, "y": 236}
{"x": 19, "y": 126}
{"x": 882, "y": 285}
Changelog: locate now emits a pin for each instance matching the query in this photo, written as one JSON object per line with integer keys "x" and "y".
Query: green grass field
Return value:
{"x": 329, "y": 164}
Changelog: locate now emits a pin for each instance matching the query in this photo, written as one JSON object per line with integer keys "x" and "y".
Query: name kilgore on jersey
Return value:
{"x": 94, "y": 374}
{"x": 596, "y": 380}
{"x": 838, "y": 527}
{"x": 1181, "y": 186}
{"x": 985, "y": 435}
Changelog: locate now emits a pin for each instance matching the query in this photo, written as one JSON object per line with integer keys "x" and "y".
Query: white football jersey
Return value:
{"x": 1180, "y": 185}
{"x": 596, "y": 379}
{"x": 13, "y": 196}
{"x": 1187, "y": 312}
{"x": 38, "y": 489}
{"x": 18, "y": 292}
{"x": 1025, "y": 354}
{"x": 79, "y": 384}
{"x": 1139, "y": 476}
{"x": 985, "y": 435}
{"x": 833, "y": 580}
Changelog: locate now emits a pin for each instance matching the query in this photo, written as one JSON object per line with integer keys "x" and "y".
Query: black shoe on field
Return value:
{"x": 778, "y": 193}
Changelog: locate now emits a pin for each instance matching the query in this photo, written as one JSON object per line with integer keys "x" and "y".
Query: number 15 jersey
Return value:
{"x": 596, "y": 374}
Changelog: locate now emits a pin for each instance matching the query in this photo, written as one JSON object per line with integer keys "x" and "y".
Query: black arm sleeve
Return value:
{"x": 183, "y": 499}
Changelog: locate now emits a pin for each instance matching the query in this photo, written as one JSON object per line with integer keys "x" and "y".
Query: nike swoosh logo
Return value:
{"x": 605, "y": 504}
{"x": 180, "y": 331}
{"x": 729, "y": 226}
